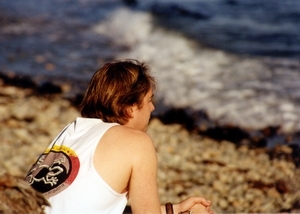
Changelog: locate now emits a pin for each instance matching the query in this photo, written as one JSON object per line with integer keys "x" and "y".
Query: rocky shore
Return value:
{"x": 234, "y": 178}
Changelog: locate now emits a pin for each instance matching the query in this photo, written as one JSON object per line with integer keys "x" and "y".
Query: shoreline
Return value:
{"x": 256, "y": 139}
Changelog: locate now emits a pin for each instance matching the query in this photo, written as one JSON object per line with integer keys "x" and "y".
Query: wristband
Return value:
{"x": 186, "y": 212}
{"x": 169, "y": 208}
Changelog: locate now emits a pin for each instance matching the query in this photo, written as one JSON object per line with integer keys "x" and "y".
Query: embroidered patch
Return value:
{"x": 54, "y": 171}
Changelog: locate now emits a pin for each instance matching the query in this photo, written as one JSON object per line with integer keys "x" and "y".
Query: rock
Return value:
{"x": 16, "y": 196}
{"x": 235, "y": 179}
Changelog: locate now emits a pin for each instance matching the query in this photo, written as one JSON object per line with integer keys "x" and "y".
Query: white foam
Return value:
{"x": 249, "y": 92}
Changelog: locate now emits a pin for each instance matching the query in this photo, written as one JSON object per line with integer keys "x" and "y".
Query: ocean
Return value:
{"x": 235, "y": 60}
{"x": 59, "y": 30}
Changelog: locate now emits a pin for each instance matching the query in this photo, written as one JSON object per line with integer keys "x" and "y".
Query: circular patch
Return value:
{"x": 54, "y": 171}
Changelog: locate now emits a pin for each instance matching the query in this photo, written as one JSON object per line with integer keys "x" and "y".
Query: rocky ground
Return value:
{"x": 235, "y": 179}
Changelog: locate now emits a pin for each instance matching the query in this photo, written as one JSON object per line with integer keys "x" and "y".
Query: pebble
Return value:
{"x": 234, "y": 179}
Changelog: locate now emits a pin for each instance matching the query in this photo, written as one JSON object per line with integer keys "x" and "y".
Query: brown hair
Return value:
{"x": 114, "y": 87}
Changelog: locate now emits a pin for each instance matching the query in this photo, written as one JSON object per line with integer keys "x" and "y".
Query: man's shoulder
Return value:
{"x": 128, "y": 136}
{"x": 129, "y": 132}
{"x": 130, "y": 141}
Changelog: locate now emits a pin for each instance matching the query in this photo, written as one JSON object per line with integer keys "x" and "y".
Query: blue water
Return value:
{"x": 53, "y": 40}
{"x": 57, "y": 31}
{"x": 258, "y": 27}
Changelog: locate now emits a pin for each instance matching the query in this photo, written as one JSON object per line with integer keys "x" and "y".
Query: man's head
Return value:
{"x": 116, "y": 86}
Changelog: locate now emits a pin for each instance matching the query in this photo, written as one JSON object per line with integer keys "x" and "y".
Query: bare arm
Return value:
{"x": 143, "y": 190}
{"x": 143, "y": 193}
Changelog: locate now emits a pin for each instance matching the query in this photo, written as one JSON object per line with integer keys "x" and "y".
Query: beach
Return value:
{"x": 235, "y": 178}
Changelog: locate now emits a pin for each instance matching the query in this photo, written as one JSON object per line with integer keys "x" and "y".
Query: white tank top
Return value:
{"x": 65, "y": 173}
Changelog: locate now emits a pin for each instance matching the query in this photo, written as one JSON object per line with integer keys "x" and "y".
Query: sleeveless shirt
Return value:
{"x": 65, "y": 173}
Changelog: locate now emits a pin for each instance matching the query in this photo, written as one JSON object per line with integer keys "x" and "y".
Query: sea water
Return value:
{"x": 237, "y": 60}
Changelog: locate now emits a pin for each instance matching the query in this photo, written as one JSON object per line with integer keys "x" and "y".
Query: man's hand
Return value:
{"x": 196, "y": 205}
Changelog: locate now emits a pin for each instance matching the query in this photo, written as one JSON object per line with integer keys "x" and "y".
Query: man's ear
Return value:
{"x": 130, "y": 110}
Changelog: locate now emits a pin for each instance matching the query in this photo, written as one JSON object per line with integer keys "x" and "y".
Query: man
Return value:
{"x": 105, "y": 157}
